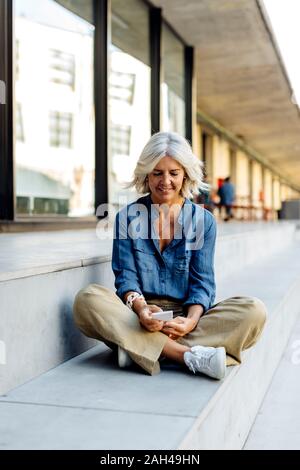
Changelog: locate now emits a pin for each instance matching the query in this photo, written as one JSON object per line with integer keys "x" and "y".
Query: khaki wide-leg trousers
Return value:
{"x": 235, "y": 323}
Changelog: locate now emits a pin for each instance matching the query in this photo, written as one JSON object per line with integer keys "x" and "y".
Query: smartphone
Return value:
{"x": 165, "y": 315}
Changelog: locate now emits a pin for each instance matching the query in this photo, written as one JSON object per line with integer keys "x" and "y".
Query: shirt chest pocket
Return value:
{"x": 182, "y": 263}
{"x": 144, "y": 256}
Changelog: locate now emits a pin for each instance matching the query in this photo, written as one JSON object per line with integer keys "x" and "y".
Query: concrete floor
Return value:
{"x": 277, "y": 425}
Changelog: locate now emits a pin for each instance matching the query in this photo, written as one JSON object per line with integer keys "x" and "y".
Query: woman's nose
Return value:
{"x": 166, "y": 178}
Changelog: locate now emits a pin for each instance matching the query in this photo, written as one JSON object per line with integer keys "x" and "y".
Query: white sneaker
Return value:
{"x": 209, "y": 361}
{"x": 124, "y": 360}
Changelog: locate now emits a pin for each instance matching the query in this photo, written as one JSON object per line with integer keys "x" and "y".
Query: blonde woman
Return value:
{"x": 163, "y": 259}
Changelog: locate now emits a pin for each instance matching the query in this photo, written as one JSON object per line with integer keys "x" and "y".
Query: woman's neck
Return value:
{"x": 178, "y": 201}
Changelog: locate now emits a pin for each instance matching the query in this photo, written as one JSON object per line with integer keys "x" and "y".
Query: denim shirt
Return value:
{"x": 183, "y": 271}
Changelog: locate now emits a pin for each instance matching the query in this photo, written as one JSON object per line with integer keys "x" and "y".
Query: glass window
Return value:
{"x": 173, "y": 80}
{"x": 60, "y": 129}
{"x": 19, "y": 124}
{"x": 120, "y": 140}
{"x": 129, "y": 93}
{"x": 122, "y": 86}
{"x": 55, "y": 159}
{"x": 62, "y": 67}
{"x": 17, "y": 59}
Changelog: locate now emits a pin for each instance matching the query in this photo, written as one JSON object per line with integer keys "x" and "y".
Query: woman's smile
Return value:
{"x": 165, "y": 190}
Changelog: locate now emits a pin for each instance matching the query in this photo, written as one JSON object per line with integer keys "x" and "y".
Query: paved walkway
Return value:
{"x": 277, "y": 425}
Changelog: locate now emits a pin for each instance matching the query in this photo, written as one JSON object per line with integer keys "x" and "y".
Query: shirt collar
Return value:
{"x": 155, "y": 210}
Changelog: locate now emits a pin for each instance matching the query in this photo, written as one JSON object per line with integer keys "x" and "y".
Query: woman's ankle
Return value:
{"x": 174, "y": 351}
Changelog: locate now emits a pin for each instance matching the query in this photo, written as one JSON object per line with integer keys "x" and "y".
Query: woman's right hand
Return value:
{"x": 145, "y": 316}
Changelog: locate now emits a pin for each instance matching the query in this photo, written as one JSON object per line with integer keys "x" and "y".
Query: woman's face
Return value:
{"x": 165, "y": 181}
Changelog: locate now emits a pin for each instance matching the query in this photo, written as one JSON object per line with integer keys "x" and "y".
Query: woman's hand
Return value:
{"x": 147, "y": 321}
{"x": 178, "y": 327}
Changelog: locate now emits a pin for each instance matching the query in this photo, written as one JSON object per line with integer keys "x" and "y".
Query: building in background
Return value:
{"x": 93, "y": 80}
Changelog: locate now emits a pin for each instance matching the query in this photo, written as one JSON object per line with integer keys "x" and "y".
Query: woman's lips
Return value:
{"x": 165, "y": 189}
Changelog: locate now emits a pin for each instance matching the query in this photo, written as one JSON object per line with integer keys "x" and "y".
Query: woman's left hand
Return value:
{"x": 178, "y": 327}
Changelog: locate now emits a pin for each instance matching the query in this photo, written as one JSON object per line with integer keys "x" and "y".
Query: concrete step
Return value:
{"x": 25, "y": 255}
{"x": 240, "y": 245}
{"x": 41, "y": 273}
{"x": 88, "y": 403}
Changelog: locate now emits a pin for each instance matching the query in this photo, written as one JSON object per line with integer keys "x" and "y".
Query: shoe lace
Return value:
{"x": 202, "y": 361}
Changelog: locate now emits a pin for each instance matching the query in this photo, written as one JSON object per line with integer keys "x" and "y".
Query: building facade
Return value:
{"x": 83, "y": 87}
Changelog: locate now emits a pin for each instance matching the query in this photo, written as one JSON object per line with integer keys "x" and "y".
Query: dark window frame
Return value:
{"x": 188, "y": 91}
{"x": 101, "y": 18}
{"x": 155, "y": 18}
{"x": 101, "y": 101}
{"x": 7, "y": 193}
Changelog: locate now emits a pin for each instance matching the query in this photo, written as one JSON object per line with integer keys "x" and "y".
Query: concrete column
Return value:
{"x": 209, "y": 163}
{"x": 242, "y": 184}
{"x": 233, "y": 167}
{"x": 283, "y": 192}
{"x": 263, "y": 191}
{"x": 197, "y": 142}
{"x": 195, "y": 133}
{"x": 242, "y": 177}
{"x": 250, "y": 181}
{"x": 268, "y": 192}
{"x": 263, "y": 197}
{"x": 221, "y": 159}
{"x": 256, "y": 183}
{"x": 276, "y": 192}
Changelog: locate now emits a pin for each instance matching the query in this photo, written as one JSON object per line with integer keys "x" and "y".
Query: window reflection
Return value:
{"x": 60, "y": 129}
{"x": 129, "y": 93}
{"x": 173, "y": 79}
{"x": 54, "y": 110}
{"x": 62, "y": 67}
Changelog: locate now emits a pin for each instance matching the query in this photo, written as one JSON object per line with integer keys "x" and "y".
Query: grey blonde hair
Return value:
{"x": 170, "y": 144}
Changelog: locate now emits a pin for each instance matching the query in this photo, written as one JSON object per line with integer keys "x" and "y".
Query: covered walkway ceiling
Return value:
{"x": 241, "y": 81}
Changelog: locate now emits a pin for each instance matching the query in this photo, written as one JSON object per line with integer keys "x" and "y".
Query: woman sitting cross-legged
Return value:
{"x": 163, "y": 259}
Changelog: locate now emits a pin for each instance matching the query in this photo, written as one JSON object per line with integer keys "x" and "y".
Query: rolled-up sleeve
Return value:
{"x": 123, "y": 262}
{"x": 202, "y": 287}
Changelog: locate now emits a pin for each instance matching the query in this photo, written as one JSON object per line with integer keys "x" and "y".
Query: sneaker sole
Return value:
{"x": 222, "y": 373}
{"x": 124, "y": 360}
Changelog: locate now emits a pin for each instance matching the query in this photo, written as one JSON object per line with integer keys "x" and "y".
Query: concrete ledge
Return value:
{"x": 236, "y": 251}
{"x": 36, "y": 322}
{"x": 33, "y": 254}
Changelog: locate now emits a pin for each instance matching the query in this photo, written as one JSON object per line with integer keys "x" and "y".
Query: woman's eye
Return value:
{"x": 159, "y": 174}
